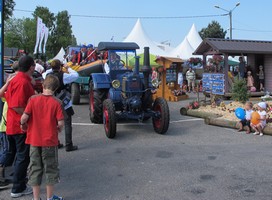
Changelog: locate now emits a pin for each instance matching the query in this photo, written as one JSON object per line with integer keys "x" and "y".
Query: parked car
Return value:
{"x": 8, "y": 65}
{"x": 36, "y": 75}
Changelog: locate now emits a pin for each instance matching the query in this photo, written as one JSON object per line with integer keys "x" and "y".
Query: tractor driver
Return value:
{"x": 115, "y": 62}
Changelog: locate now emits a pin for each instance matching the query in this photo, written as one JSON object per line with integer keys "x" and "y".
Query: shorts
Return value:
{"x": 43, "y": 160}
{"x": 191, "y": 81}
{"x": 262, "y": 81}
{"x": 245, "y": 122}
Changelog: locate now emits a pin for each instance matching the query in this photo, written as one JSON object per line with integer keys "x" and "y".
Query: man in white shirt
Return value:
{"x": 65, "y": 78}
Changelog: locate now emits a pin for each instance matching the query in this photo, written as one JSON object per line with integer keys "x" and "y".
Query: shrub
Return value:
{"x": 239, "y": 90}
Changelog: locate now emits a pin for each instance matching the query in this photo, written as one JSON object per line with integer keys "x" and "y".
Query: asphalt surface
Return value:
{"x": 192, "y": 161}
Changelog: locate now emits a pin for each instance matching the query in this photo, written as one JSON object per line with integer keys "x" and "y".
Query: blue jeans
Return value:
{"x": 18, "y": 148}
{"x": 4, "y": 148}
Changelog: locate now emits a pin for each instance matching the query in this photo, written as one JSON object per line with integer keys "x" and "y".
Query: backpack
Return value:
{"x": 62, "y": 92}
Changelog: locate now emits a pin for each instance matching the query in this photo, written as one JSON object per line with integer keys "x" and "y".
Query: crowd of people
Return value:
{"x": 30, "y": 127}
{"x": 87, "y": 54}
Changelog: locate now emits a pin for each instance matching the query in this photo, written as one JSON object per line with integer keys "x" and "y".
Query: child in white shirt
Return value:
{"x": 246, "y": 122}
{"x": 258, "y": 128}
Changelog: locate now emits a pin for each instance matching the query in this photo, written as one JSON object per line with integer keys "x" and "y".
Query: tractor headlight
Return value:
{"x": 115, "y": 84}
{"x": 155, "y": 83}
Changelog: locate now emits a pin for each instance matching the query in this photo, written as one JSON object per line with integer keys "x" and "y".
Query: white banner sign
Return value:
{"x": 46, "y": 32}
{"x": 38, "y": 34}
{"x": 41, "y": 37}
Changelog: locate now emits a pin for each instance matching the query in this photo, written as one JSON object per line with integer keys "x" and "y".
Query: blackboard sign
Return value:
{"x": 213, "y": 83}
{"x": 171, "y": 74}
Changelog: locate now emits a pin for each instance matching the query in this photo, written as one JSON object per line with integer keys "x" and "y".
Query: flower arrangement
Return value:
{"x": 193, "y": 105}
{"x": 194, "y": 62}
{"x": 215, "y": 60}
{"x": 214, "y": 64}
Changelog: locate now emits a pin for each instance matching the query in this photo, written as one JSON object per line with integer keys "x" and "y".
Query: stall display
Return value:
{"x": 168, "y": 77}
{"x": 213, "y": 83}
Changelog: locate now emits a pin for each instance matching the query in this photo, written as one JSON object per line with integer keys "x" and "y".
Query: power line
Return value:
{"x": 252, "y": 30}
{"x": 134, "y": 17}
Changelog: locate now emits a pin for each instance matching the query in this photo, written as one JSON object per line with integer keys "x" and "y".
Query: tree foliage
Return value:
{"x": 62, "y": 35}
{"x": 8, "y": 8}
{"x": 21, "y": 33}
{"x": 214, "y": 30}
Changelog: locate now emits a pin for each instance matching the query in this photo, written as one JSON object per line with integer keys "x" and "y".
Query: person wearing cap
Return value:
{"x": 258, "y": 128}
{"x": 91, "y": 54}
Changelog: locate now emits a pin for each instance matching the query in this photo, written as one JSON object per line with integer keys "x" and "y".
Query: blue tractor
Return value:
{"x": 123, "y": 93}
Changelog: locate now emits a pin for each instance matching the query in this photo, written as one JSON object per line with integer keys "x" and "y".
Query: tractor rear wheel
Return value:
{"x": 75, "y": 93}
{"x": 96, "y": 104}
{"x": 161, "y": 124}
{"x": 109, "y": 119}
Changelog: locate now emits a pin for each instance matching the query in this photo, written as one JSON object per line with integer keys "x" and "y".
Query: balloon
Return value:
{"x": 240, "y": 113}
{"x": 255, "y": 118}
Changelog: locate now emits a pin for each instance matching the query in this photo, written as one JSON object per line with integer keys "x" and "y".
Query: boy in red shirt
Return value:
{"x": 43, "y": 119}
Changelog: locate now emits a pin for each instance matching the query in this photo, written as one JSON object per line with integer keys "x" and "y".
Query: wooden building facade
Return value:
{"x": 257, "y": 53}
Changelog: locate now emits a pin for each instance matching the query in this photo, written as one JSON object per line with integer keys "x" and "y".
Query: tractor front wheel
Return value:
{"x": 161, "y": 124}
{"x": 109, "y": 119}
{"x": 96, "y": 104}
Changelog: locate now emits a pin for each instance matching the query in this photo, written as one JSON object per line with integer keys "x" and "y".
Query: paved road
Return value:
{"x": 192, "y": 161}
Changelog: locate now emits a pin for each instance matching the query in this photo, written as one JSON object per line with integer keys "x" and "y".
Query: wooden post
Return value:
{"x": 226, "y": 70}
{"x": 197, "y": 88}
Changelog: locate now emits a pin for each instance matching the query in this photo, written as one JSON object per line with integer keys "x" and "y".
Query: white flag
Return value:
{"x": 38, "y": 34}
{"x": 41, "y": 38}
{"x": 46, "y": 32}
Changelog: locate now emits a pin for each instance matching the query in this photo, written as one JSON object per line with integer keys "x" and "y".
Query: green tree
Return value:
{"x": 8, "y": 8}
{"x": 74, "y": 40}
{"x": 62, "y": 34}
{"x": 19, "y": 33}
{"x": 214, "y": 30}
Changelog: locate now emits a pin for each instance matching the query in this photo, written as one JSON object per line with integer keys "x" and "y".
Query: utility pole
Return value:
{"x": 230, "y": 15}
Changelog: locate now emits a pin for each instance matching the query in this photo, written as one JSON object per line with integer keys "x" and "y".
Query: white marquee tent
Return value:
{"x": 139, "y": 36}
{"x": 193, "y": 37}
{"x": 189, "y": 44}
{"x": 184, "y": 50}
{"x": 60, "y": 55}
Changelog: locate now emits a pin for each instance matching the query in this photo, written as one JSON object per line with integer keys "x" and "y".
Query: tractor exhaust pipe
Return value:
{"x": 146, "y": 69}
{"x": 137, "y": 65}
